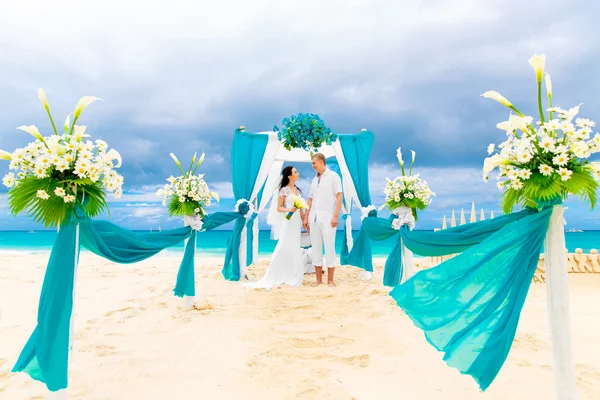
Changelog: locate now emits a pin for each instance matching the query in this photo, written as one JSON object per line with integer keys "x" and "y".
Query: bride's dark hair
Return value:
{"x": 285, "y": 177}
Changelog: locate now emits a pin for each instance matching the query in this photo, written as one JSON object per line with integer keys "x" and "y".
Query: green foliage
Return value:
{"x": 188, "y": 207}
{"x": 53, "y": 211}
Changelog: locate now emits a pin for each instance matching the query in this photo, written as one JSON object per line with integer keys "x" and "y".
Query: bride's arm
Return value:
{"x": 281, "y": 208}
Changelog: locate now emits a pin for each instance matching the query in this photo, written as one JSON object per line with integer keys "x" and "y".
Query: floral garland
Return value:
{"x": 62, "y": 172}
{"x": 187, "y": 194}
{"x": 305, "y": 131}
{"x": 407, "y": 190}
{"x": 547, "y": 161}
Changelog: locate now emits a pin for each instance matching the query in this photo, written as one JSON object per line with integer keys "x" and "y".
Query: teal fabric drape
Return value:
{"x": 45, "y": 355}
{"x": 186, "y": 276}
{"x": 357, "y": 150}
{"x": 468, "y": 306}
{"x": 247, "y": 153}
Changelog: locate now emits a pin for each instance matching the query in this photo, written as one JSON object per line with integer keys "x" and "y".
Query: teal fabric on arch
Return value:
{"x": 357, "y": 150}
{"x": 469, "y": 306}
{"x": 46, "y": 354}
{"x": 247, "y": 153}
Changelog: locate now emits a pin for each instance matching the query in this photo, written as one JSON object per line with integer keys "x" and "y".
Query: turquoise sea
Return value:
{"x": 214, "y": 242}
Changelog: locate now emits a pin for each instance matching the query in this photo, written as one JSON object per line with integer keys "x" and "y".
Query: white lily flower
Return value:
{"x": 490, "y": 163}
{"x": 492, "y": 94}
{"x": 490, "y": 148}
{"x": 83, "y": 103}
{"x": 32, "y": 130}
{"x": 548, "y": 85}
{"x": 5, "y": 155}
{"x": 111, "y": 155}
{"x": 67, "y": 123}
{"x": 521, "y": 123}
{"x": 399, "y": 155}
{"x": 413, "y": 155}
{"x": 79, "y": 132}
{"x": 538, "y": 63}
{"x": 175, "y": 159}
{"x": 42, "y": 97}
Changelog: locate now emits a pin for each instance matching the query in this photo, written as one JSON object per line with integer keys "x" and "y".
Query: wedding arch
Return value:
{"x": 256, "y": 163}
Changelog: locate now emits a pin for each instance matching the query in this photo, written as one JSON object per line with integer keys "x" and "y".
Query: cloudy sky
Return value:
{"x": 180, "y": 76}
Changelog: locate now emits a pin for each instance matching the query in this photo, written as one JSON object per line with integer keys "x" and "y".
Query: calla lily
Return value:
{"x": 112, "y": 154}
{"x": 399, "y": 156}
{"x": 67, "y": 123}
{"x": 79, "y": 132}
{"x": 175, "y": 159}
{"x": 83, "y": 103}
{"x": 5, "y": 155}
{"x": 548, "y": 86}
{"x": 215, "y": 196}
{"x": 33, "y": 130}
{"x": 492, "y": 94}
{"x": 538, "y": 63}
{"x": 177, "y": 162}
{"x": 42, "y": 96}
{"x": 490, "y": 163}
{"x": 414, "y": 154}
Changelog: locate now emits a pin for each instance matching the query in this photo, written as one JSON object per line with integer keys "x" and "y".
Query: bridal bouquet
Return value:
{"x": 546, "y": 160}
{"x": 306, "y": 131}
{"x": 55, "y": 174}
{"x": 299, "y": 203}
{"x": 187, "y": 194}
{"x": 407, "y": 190}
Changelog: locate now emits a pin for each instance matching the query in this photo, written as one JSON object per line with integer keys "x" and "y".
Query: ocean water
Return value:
{"x": 214, "y": 242}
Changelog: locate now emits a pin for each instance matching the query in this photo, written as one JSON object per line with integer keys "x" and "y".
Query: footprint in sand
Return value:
{"x": 129, "y": 312}
{"x": 302, "y": 343}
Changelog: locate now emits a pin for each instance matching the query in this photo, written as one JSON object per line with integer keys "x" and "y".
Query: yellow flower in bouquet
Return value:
{"x": 299, "y": 203}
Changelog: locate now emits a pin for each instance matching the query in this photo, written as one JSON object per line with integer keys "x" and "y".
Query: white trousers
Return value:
{"x": 323, "y": 235}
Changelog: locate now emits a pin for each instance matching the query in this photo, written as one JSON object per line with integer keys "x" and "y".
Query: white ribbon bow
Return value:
{"x": 405, "y": 217}
{"x": 250, "y": 207}
{"x": 193, "y": 221}
{"x": 366, "y": 210}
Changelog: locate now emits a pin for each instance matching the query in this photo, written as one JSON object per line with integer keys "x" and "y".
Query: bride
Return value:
{"x": 286, "y": 264}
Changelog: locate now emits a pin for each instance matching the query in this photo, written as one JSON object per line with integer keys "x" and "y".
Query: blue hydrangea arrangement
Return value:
{"x": 305, "y": 131}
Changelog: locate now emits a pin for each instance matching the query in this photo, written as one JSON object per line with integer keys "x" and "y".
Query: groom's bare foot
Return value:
{"x": 317, "y": 283}
{"x": 331, "y": 284}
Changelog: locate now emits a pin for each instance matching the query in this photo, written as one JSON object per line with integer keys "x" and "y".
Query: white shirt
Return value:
{"x": 323, "y": 190}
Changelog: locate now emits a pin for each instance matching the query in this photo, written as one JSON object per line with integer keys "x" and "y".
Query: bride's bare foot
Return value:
{"x": 331, "y": 284}
{"x": 315, "y": 284}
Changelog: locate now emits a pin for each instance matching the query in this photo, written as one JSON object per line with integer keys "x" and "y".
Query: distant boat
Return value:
{"x": 573, "y": 230}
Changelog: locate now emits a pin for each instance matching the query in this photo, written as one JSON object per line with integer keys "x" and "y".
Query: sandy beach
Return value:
{"x": 132, "y": 340}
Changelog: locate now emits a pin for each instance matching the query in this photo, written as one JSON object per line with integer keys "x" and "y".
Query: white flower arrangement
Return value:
{"x": 547, "y": 160}
{"x": 188, "y": 194}
{"x": 407, "y": 190}
{"x": 54, "y": 174}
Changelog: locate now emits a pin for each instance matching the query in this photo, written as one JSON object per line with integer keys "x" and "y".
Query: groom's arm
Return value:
{"x": 337, "y": 189}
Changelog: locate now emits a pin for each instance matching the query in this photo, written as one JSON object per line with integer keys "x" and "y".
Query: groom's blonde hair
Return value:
{"x": 321, "y": 157}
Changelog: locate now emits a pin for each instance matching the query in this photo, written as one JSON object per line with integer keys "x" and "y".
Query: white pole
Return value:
{"x": 558, "y": 306}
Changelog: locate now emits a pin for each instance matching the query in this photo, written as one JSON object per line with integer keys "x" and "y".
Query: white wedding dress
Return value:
{"x": 287, "y": 265}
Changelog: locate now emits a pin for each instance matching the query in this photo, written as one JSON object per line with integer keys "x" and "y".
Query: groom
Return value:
{"x": 325, "y": 203}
